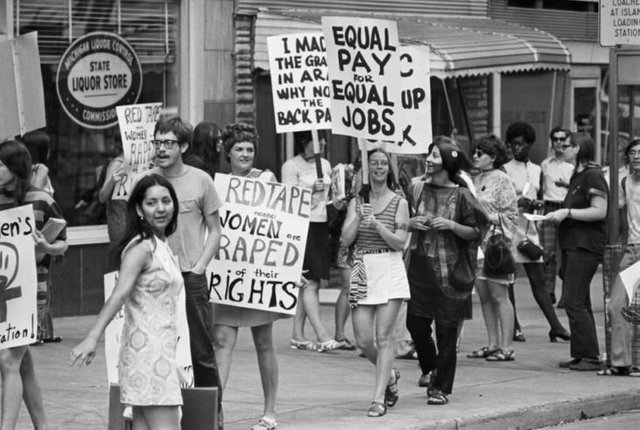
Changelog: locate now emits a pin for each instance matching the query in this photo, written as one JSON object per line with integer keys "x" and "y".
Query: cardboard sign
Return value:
{"x": 264, "y": 234}
{"x": 113, "y": 332}
{"x": 364, "y": 71}
{"x": 21, "y": 92}
{"x": 299, "y": 82}
{"x": 136, "y": 129}
{"x": 415, "y": 100}
{"x": 18, "y": 280}
{"x": 96, "y": 73}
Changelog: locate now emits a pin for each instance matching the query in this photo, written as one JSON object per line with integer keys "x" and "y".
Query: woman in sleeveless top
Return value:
{"x": 149, "y": 284}
{"x": 16, "y": 363}
{"x": 447, "y": 226}
{"x": 378, "y": 231}
{"x": 240, "y": 145}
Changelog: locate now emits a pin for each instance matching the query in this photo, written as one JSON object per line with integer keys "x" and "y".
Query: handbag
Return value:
{"x": 528, "y": 248}
{"x": 498, "y": 259}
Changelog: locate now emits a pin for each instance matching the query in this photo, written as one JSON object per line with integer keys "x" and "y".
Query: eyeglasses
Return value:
{"x": 479, "y": 153}
{"x": 558, "y": 139}
{"x": 168, "y": 144}
{"x": 571, "y": 145}
{"x": 633, "y": 153}
{"x": 382, "y": 163}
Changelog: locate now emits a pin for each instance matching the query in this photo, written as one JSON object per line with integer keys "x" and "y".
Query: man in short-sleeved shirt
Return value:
{"x": 199, "y": 204}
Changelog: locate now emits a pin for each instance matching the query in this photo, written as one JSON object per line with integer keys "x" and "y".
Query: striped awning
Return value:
{"x": 458, "y": 46}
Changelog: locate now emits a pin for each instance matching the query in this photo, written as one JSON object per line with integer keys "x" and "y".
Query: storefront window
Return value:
{"x": 79, "y": 153}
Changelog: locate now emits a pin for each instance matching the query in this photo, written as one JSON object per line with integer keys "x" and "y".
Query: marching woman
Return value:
{"x": 149, "y": 283}
{"x": 16, "y": 364}
{"x": 378, "y": 231}
{"x": 447, "y": 226}
{"x": 240, "y": 146}
{"x": 583, "y": 237}
{"x": 497, "y": 196}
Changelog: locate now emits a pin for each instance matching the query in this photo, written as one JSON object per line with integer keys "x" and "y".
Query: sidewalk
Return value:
{"x": 333, "y": 390}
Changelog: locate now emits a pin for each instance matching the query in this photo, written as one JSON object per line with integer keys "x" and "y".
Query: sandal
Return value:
{"x": 346, "y": 345}
{"x": 502, "y": 355}
{"x": 391, "y": 395}
{"x": 266, "y": 423}
{"x": 483, "y": 352}
{"x": 614, "y": 371}
{"x": 329, "y": 345}
{"x": 304, "y": 345}
{"x": 377, "y": 409}
{"x": 436, "y": 397}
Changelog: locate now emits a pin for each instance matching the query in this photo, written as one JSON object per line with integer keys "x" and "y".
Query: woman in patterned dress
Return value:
{"x": 240, "y": 146}
{"x": 378, "y": 231}
{"x": 497, "y": 196}
{"x": 149, "y": 283}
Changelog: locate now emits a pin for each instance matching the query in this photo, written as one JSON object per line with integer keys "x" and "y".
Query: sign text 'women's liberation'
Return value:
{"x": 264, "y": 234}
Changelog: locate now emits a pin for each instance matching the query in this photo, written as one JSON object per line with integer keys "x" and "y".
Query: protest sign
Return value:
{"x": 18, "y": 281}
{"x": 415, "y": 101}
{"x": 364, "y": 72}
{"x": 136, "y": 130}
{"x": 299, "y": 82}
{"x": 264, "y": 234}
{"x": 113, "y": 332}
{"x": 21, "y": 92}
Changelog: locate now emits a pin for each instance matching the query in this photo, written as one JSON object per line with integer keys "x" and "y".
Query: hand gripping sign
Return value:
{"x": 264, "y": 234}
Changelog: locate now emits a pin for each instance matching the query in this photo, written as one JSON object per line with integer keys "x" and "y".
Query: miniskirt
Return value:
{"x": 317, "y": 253}
{"x": 386, "y": 278}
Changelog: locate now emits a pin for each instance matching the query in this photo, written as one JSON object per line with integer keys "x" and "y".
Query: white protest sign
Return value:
{"x": 630, "y": 278}
{"x": 415, "y": 101}
{"x": 21, "y": 92}
{"x": 364, "y": 71}
{"x": 113, "y": 332}
{"x": 136, "y": 130}
{"x": 619, "y": 22}
{"x": 264, "y": 234}
{"x": 299, "y": 82}
{"x": 18, "y": 280}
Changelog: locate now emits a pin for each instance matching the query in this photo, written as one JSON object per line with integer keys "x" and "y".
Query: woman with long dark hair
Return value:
{"x": 378, "y": 232}
{"x": 583, "y": 236}
{"x": 447, "y": 225}
{"x": 16, "y": 364}
{"x": 149, "y": 283}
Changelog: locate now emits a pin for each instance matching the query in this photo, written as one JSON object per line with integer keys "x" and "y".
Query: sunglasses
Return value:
{"x": 479, "y": 153}
{"x": 558, "y": 139}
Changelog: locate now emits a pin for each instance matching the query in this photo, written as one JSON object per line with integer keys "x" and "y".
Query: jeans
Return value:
{"x": 577, "y": 269}
{"x": 443, "y": 361}
{"x": 203, "y": 357}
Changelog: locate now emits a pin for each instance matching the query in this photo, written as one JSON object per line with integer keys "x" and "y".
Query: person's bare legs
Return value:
{"x": 489, "y": 314}
{"x": 10, "y": 362}
{"x": 224, "y": 338}
{"x": 156, "y": 418}
{"x": 500, "y": 296}
{"x": 311, "y": 302}
{"x": 379, "y": 353}
{"x": 299, "y": 319}
{"x": 31, "y": 392}
{"x": 342, "y": 304}
{"x": 268, "y": 365}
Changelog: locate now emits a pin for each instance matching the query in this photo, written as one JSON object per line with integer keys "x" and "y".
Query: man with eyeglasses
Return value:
{"x": 621, "y": 329}
{"x": 199, "y": 205}
{"x": 556, "y": 173}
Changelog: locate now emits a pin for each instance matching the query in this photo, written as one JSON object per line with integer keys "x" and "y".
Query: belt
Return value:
{"x": 378, "y": 251}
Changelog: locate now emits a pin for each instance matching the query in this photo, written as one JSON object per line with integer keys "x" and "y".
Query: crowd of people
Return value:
{"x": 416, "y": 252}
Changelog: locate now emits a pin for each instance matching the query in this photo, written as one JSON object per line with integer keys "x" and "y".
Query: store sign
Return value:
{"x": 97, "y": 72}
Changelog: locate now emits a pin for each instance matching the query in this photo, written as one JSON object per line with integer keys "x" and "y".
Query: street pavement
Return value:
{"x": 333, "y": 390}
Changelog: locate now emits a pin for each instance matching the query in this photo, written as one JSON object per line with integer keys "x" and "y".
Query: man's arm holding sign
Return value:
{"x": 134, "y": 261}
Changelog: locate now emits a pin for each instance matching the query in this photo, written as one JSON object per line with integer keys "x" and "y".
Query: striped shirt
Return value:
{"x": 368, "y": 238}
